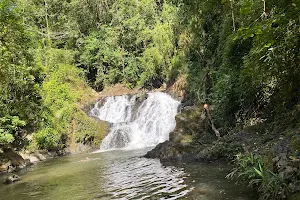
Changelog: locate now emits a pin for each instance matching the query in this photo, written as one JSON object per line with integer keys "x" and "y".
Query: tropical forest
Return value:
{"x": 150, "y": 99}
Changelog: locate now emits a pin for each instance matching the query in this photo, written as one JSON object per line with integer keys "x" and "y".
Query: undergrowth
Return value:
{"x": 271, "y": 183}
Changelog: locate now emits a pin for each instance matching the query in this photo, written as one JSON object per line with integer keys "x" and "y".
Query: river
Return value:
{"x": 136, "y": 122}
{"x": 122, "y": 174}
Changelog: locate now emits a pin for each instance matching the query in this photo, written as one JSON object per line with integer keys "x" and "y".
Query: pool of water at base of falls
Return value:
{"x": 122, "y": 174}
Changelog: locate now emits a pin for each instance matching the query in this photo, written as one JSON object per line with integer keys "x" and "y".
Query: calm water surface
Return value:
{"x": 121, "y": 175}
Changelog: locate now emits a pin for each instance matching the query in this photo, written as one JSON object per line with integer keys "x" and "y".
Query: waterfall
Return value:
{"x": 137, "y": 121}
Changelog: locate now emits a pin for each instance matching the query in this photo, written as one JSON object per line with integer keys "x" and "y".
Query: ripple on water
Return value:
{"x": 141, "y": 178}
{"x": 121, "y": 175}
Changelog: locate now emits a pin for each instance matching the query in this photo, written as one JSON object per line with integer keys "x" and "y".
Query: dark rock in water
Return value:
{"x": 158, "y": 151}
{"x": 12, "y": 178}
{"x": 171, "y": 151}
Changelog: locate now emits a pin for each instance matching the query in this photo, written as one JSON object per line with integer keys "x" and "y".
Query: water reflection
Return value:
{"x": 121, "y": 175}
{"x": 142, "y": 178}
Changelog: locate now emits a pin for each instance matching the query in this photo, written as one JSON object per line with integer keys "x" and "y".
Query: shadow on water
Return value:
{"x": 122, "y": 175}
{"x": 209, "y": 182}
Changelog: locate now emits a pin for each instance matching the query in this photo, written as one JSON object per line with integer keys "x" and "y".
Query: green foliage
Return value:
{"x": 226, "y": 148}
{"x": 63, "y": 91}
{"x": 60, "y": 93}
{"x": 103, "y": 55}
{"x": 10, "y": 127}
{"x": 135, "y": 47}
{"x": 39, "y": 87}
{"x": 53, "y": 23}
{"x": 49, "y": 138}
{"x": 242, "y": 57}
{"x": 20, "y": 78}
{"x": 271, "y": 185}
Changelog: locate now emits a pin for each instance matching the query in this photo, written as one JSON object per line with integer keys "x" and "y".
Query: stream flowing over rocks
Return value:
{"x": 137, "y": 121}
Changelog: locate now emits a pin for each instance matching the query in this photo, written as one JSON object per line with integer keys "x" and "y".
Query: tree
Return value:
{"x": 20, "y": 78}
{"x": 136, "y": 47}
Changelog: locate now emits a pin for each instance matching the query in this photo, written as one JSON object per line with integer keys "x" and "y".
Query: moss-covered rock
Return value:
{"x": 86, "y": 133}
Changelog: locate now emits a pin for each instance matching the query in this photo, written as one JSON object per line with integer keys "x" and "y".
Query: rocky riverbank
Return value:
{"x": 13, "y": 161}
{"x": 194, "y": 139}
{"x": 253, "y": 147}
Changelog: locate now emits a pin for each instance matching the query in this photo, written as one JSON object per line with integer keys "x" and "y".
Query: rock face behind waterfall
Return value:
{"x": 137, "y": 120}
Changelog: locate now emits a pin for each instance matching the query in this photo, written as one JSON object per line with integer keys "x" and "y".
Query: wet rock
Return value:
{"x": 14, "y": 161}
{"x": 12, "y": 178}
{"x": 40, "y": 155}
{"x": 3, "y": 168}
{"x": 173, "y": 151}
{"x": 158, "y": 151}
{"x": 11, "y": 169}
{"x": 140, "y": 97}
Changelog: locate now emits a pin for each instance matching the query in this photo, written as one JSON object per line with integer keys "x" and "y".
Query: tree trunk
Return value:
{"x": 206, "y": 107}
{"x": 232, "y": 14}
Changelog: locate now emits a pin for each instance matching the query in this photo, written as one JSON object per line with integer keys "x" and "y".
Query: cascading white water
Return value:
{"x": 136, "y": 123}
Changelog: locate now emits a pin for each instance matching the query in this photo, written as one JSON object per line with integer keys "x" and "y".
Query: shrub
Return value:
{"x": 252, "y": 169}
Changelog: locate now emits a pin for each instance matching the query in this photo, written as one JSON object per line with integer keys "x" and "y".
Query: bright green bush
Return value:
{"x": 63, "y": 92}
{"x": 60, "y": 94}
{"x": 10, "y": 130}
{"x": 49, "y": 138}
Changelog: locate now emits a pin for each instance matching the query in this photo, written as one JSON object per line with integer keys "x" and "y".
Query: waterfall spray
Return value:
{"x": 136, "y": 122}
